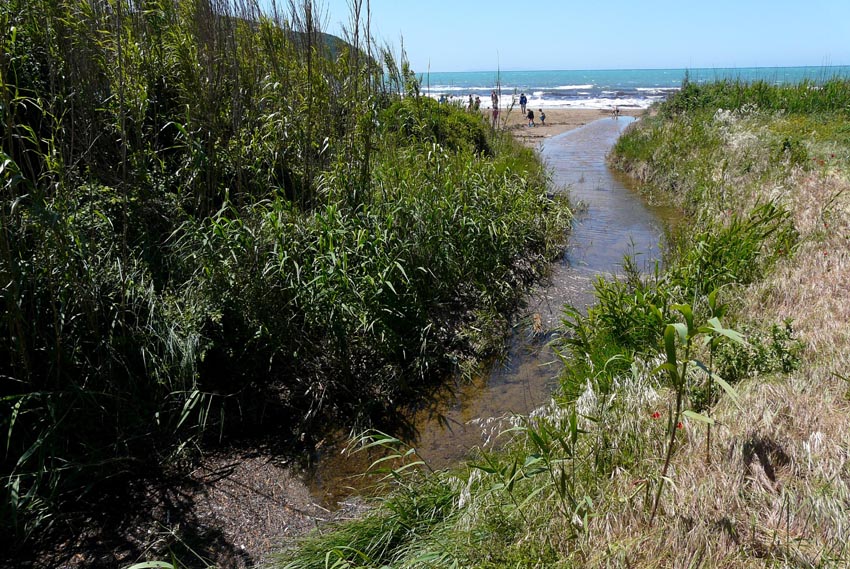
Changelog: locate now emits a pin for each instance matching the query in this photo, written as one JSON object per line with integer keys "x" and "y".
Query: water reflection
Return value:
{"x": 616, "y": 221}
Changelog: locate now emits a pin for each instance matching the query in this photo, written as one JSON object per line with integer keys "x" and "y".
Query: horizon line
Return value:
{"x": 515, "y": 70}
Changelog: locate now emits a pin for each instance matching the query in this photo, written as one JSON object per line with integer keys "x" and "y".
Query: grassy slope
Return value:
{"x": 577, "y": 487}
{"x": 787, "y": 504}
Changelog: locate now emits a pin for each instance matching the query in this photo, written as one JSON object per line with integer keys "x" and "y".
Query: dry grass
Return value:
{"x": 812, "y": 288}
{"x": 777, "y": 490}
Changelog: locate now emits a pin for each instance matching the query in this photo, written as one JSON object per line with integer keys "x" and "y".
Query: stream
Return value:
{"x": 612, "y": 221}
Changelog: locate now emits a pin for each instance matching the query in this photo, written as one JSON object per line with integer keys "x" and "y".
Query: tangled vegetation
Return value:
{"x": 702, "y": 416}
{"x": 217, "y": 222}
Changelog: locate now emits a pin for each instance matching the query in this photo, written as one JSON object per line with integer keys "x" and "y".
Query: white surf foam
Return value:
{"x": 656, "y": 89}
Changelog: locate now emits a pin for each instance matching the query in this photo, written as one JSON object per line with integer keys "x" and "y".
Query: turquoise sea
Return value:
{"x": 637, "y": 88}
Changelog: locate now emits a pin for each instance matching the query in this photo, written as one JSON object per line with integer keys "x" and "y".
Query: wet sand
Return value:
{"x": 558, "y": 121}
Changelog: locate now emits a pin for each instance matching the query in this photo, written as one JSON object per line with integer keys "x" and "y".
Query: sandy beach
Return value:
{"x": 557, "y": 121}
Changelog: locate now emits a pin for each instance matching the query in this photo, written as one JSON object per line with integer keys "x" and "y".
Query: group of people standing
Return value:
{"x": 475, "y": 105}
{"x": 528, "y": 113}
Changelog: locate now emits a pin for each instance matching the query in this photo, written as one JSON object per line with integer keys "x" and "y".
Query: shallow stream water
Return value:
{"x": 612, "y": 221}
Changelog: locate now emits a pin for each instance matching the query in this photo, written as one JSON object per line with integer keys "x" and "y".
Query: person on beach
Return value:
{"x": 469, "y": 106}
{"x": 494, "y": 99}
{"x": 523, "y": 101}
{"x": 542, "y": 118}
{"x": 530, "y": 116}
{"x": 477, "y": 104}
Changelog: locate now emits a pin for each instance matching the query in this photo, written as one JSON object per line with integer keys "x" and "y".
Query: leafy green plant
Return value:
{"x": 776, "y": 350}
{"x": 396, "y": 531}
{"x": 678, "y": 369}
{"x": 554, "y": 454}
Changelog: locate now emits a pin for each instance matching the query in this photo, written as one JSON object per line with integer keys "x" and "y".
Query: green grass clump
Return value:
{"x": 707, "y": 139}
{"x": 808, "y": 97}
{"x": 426, "y": 120}
{"x": 399, "y": 531}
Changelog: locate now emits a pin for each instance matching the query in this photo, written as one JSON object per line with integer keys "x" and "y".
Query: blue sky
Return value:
{"x": 470, "y": 35}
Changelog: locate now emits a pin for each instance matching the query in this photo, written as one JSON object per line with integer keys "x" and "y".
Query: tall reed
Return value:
{"x": 218, "y": 215}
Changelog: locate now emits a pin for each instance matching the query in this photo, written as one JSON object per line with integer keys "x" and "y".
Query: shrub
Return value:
{"x": 423, "y": 119}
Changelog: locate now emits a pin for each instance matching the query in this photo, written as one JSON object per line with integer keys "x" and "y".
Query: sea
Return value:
{"x": 602, "y": 89}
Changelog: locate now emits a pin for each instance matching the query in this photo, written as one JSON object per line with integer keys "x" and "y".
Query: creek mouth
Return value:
{"x": 612, "y": 221}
